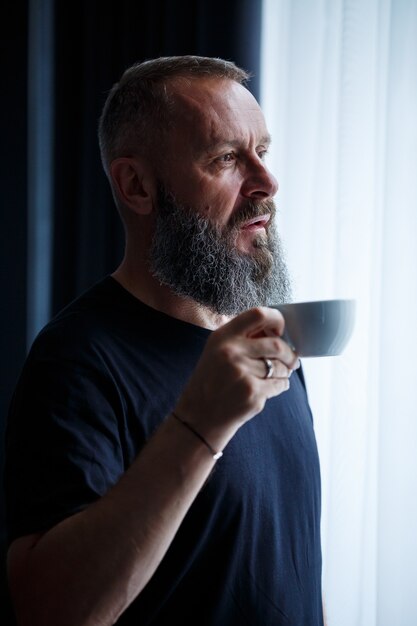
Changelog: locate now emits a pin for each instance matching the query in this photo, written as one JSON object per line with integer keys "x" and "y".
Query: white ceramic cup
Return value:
{"x": 318, "y": 328}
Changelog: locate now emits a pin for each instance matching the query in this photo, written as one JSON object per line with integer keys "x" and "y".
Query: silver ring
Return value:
{"x": 269, "y": 368}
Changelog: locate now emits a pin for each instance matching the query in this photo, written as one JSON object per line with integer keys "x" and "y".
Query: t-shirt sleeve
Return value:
{"x": 63, "y": 441}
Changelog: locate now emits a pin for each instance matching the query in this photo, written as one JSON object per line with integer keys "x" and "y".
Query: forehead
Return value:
{"x": 211, "y": 111}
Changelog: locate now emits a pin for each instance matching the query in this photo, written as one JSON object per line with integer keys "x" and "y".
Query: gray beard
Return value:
{"x": 198, "y": 259}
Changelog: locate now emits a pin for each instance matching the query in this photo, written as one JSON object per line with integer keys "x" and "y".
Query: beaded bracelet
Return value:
{"x": 215, "y": 455}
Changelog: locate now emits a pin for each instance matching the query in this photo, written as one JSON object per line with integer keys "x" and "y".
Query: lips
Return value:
{"x": 256, "y": 222}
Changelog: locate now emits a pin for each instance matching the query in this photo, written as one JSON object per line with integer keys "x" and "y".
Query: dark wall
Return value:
{"x": 94, "y": 42}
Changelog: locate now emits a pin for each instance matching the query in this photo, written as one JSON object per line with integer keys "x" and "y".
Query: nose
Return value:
{"x": 259, "y": 183}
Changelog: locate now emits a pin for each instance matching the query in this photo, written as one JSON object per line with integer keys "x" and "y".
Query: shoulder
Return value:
{"x": 87, "y": 324}
{"x": 86, "y": 312}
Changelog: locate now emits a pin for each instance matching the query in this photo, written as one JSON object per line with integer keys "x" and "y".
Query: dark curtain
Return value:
{"x": 13, "y": 227}
{"x": 94, "y": 42}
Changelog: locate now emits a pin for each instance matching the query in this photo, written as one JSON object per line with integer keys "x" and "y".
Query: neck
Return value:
{"x": 141, "y": 284}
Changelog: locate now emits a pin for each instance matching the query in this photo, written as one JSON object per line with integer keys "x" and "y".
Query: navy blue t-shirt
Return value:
{"x": 98, "y": 381}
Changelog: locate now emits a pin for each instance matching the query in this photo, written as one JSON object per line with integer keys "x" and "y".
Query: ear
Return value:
{"x": 133, "y": 184}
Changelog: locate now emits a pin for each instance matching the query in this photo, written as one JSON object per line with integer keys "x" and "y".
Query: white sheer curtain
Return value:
{"x": 339, "y": 90}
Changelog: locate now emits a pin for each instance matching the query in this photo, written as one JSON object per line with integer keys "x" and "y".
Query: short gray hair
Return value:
{"x": 137, "y": 108}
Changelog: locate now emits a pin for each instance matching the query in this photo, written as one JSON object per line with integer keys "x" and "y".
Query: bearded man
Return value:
{"x": 160, "y": 467}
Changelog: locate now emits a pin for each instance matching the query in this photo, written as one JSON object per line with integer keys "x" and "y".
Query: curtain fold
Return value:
{"x": 339, "y": 87}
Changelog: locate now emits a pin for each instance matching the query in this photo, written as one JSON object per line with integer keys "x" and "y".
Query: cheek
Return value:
{"x": 219, "y": 204}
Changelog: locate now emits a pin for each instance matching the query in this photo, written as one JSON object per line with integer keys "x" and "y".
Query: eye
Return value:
{"x": 262, "y": 153}
{"x": 229, "y": 157}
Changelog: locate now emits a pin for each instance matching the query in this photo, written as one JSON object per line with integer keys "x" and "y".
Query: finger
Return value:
{"x": 254, "y": 321}
{"x": 272, "y": 348}
{"x": 272, "y": 387}
{"x": 275, "y": 386}
{"x": 264, "y": 371}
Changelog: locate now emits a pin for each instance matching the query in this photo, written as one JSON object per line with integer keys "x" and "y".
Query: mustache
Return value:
{"x": 250, "y": 210}
{"x": 167, "y": 203}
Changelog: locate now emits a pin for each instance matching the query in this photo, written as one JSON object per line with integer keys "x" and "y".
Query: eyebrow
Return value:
{"x": 235, "y": 143}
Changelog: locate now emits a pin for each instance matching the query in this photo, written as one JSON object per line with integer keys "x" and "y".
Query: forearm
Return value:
{"x": 90, "y": 567}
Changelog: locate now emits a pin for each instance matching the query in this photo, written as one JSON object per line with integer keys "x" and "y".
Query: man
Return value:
{"x": 120, "y": 508}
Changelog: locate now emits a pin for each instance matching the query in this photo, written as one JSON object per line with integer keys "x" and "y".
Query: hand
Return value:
{"x": 228, "y": 386}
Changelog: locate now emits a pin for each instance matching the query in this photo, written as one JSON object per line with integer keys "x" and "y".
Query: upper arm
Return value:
{"x": 62, "y": 450}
